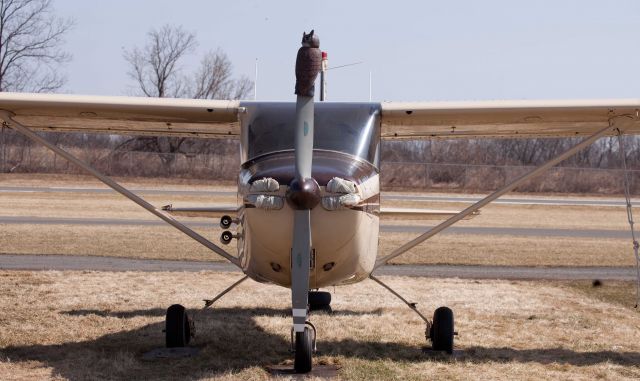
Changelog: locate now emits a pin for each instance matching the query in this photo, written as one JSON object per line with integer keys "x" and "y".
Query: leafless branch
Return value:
{"x": 156, "y": 67}
{"x": 213, "y": 79}
{"x": 30, "y": 40}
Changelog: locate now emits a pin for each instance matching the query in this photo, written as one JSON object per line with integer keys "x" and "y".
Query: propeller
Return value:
{"x": 303, "y": 193}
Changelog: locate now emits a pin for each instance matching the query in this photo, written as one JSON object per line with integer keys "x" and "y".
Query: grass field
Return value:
{"x": 95, "y": 325}
{"x": 166, "y": 243}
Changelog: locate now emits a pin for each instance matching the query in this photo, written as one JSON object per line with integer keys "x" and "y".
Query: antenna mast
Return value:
{"x": 323, "y": 79}
{"x": 370, "y": 85}
{"x": 255, "y": 83}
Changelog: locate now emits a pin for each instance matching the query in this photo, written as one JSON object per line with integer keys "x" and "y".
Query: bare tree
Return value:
{"x": 157, "y": 71}
{"x": 213, "y": 79}
{"x": 156, "y": 67}
{"x": 30, "y": 40}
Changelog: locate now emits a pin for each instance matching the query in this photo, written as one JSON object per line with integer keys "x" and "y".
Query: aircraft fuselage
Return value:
{"x": 344, "y": 237}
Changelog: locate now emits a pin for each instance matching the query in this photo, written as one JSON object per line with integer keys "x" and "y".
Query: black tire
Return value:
{"x": 304, "y": 351}
{"x": 442, "y": 331}
{"x": 320, "y": 301}
{"x": 178, "y": 327}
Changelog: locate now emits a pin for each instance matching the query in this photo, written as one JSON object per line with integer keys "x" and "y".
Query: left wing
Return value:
{"x": 493, "y": 119}
{"x": 124, "y": 115}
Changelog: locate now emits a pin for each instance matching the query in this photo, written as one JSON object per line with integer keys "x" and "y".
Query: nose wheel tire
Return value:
{"x": 178, "y": 327}
{"x": 442, "y": 330}
{"x": 304, "y": 351}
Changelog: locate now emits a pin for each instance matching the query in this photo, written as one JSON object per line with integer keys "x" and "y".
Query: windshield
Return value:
{"x": 352, "y": 128}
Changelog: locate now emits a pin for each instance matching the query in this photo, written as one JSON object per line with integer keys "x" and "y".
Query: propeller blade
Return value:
{"x": 300, "y": 266}
{"x": 303, "y": 193}
{"x": 304, "y": 137}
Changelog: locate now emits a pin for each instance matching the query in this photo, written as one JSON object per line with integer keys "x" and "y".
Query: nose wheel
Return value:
{"x": 304, "y": 348}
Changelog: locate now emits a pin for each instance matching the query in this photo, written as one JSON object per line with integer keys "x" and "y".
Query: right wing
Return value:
{"x": 507, "y": 119}
{"x": 124, "y": 115}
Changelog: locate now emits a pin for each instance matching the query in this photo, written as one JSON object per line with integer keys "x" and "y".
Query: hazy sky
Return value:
{"x": 416, "y": 50}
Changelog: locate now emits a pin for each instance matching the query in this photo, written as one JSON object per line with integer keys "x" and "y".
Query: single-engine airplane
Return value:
{"x": 309, "y": 176}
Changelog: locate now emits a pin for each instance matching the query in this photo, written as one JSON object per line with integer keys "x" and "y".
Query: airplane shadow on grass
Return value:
{"x": 230, "y": 340}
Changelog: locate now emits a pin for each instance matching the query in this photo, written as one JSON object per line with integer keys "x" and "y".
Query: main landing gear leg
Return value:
{"x": 180, "y": 328}
{"x": 440, "y": 330}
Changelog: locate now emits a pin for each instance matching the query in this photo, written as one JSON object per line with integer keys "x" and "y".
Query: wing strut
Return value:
{"x": 7, "y": 116}
{"x": 627, "y": 196}
{"x": 621, "y": 123}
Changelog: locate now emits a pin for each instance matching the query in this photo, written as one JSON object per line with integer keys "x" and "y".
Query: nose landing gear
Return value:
{"x": 304, "y": 347}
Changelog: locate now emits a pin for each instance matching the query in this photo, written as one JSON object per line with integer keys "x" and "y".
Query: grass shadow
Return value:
{"x": 550, "y": 356}
{"x": 229, "y": 340}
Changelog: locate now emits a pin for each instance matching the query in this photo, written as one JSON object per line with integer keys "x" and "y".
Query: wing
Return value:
{"x": 423, "y": 120}
{"x": 124, "y": 115}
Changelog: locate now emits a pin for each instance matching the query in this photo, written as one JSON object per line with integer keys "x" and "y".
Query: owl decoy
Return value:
{"x": 308, "y": 64}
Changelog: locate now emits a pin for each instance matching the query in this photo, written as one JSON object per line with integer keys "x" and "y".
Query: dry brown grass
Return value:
{"x": 66, "y": 180}
{"x": 534, "y": 216}
{"x": 95, "y": 325}
{"x": 505, "y": 250}
{"x": 97, "y": 205}
{"x": 622, "y": 293}
{"x": 153, "y": 242}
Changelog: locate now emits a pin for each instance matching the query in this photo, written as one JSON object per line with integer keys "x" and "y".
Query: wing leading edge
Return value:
{"x": 124, "y": 115}
{"x": 510, "y": 119}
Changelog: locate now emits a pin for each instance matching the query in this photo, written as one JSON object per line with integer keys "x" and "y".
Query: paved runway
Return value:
{"x": 91, "y": 263}
{"x": 574, "y": 201}
{"x": 524, "y": 232}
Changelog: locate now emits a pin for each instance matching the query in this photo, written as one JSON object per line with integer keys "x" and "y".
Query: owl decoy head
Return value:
{"x": 310, "y": 40}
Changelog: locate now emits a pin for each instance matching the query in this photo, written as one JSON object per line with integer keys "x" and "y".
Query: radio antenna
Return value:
{"x": 255, "y": 83}
{"x": 325, "y": 68}
{"x": 370, "y": 85}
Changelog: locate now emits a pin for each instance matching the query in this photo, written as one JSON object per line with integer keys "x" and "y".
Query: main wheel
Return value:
{"x": 442, "y": 331}
{"x": 304, "y": 351}
{"x": 320, "y": 301}
{"x": 178, "y": 327}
